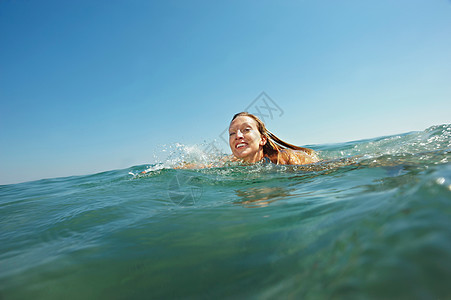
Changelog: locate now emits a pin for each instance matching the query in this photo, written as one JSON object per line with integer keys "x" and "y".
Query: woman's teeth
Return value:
{"x": 240, "y": 145}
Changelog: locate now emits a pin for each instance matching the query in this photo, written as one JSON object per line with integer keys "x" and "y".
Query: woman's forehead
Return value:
{"x": 243, "y": 120}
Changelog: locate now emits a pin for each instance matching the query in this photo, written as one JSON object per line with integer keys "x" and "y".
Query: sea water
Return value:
{"x": 372, "y": 220}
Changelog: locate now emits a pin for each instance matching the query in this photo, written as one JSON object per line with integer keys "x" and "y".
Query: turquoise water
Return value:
{"x": 371, "y": 221}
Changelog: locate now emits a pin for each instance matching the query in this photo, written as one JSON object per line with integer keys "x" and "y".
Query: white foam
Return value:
{"x": 178, "y": 154}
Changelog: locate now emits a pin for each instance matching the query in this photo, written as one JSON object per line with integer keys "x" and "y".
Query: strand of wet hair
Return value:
{"x": 282, "y": 144}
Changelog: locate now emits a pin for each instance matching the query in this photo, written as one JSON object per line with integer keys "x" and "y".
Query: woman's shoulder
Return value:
{"x": 296, "y": 157}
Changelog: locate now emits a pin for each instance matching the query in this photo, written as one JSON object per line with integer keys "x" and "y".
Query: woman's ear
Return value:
{"x": 263, "y": 140}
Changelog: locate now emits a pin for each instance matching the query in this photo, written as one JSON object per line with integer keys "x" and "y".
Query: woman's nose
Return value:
{"x": 239, "y": 134}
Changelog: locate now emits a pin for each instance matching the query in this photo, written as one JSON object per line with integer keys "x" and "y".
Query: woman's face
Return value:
{"x": 245, "y": 140}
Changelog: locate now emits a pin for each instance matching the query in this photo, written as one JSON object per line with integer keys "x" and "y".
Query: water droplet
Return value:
{"x": 440, "y": 180}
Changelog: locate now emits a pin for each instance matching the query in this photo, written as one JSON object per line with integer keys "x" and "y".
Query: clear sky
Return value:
{"x": 89, "y": 86}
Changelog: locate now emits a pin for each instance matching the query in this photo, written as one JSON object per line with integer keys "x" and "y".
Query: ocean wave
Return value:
{"x": 371, "y": 220}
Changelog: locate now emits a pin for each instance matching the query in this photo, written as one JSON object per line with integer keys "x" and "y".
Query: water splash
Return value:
{"x": 432, "y": 139}
{"x": 190, "y": 156}
{"x": 384, "y": 150}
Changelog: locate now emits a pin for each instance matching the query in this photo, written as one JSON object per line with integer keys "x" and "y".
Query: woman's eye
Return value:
{"x": 231, "y": 133}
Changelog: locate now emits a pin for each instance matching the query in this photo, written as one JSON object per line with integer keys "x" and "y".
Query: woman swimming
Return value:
{"x": 251, "y": 142}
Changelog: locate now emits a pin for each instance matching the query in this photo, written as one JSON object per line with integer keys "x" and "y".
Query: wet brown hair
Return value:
{"x": 273, "y": 144}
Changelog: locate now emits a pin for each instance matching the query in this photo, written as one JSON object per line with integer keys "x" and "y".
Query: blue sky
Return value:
{"x": 89, "y": 86}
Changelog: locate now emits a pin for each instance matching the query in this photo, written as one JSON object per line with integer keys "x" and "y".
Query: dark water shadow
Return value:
{"x": 262, "y": 196}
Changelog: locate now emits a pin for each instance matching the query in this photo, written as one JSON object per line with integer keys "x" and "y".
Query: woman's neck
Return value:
{"x": 255, "y": 158}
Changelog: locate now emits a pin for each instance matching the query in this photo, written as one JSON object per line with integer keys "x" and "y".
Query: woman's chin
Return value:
{"x": 240, "y": 155}
{"x": 241, "y": 152}
{"x": 243, "y": 156}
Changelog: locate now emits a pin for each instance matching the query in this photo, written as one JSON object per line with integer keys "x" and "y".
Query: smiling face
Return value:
{"x": 245, "y": 139}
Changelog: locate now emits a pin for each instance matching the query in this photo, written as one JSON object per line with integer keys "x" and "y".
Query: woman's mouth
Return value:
{"x": 240, "y": 145}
